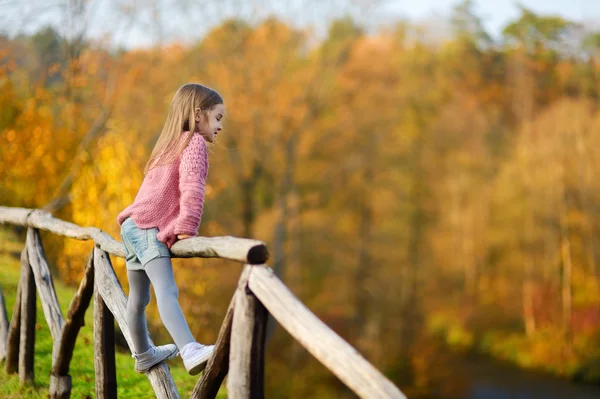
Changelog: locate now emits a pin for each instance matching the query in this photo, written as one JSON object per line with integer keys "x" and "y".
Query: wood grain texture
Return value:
{"x": 242, "y": 329}
{"x": 60, "y": 380}
{"x": 28, "y": 316}
{"x": 75, "y": 320}
{"x": 209, "y": 384}
{"x": 110, "y": 288}
{"x": 4, "y": 323}
{"x": 257, "y": 365}
{"x": 60, "y": 386}
{"x": 14, "y": 330}
{"x": 239, "y": 347}
{"x": 104, "y": 349}
{"x": 44, "y": 283}
{"x": 242, "y": 250}
{"x": 322, "y": 342}
{"x": 246, "y": 376}
{"x": 237, "y": 249}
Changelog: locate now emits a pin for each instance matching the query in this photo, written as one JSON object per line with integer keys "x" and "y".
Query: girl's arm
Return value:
{"x": 192, "y": 172}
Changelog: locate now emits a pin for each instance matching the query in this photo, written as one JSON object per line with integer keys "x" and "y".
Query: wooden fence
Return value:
{"x": 239, "y": 349}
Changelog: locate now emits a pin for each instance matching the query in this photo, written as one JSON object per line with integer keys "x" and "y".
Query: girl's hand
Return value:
{"x": 183, "y": 236}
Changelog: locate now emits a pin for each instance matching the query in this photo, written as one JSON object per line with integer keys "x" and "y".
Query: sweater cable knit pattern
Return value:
{"x": 171, "y": 197}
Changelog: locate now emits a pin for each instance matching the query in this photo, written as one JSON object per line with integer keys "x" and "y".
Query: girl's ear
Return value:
{"x": 197, "y": 114}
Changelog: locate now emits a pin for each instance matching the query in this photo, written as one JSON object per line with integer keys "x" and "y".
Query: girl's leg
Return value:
{"x": 139, "y": 298}
{"x": 160, "y": 272}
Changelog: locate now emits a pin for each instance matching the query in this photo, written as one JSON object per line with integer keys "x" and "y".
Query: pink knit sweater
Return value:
{"x": 171, "y": 196}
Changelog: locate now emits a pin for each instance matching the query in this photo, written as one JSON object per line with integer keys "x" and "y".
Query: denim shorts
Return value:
{"x": 141, "y": 245}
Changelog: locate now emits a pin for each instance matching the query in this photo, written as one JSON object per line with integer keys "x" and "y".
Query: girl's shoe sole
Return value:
{"x": 171, "y": 356}
{"x": 197, "y": 369}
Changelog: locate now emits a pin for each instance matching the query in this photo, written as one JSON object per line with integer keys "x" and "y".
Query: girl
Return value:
{"x": 167, "y": 208}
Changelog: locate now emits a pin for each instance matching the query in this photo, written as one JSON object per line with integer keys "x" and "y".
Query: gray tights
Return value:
{"x": 159, "y": 272}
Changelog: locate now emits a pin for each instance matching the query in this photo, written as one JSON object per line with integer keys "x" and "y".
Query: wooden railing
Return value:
{"x": 239, "y": 349}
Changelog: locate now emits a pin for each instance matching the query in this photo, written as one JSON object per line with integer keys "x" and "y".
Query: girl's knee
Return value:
{"x": 138, "y": 302}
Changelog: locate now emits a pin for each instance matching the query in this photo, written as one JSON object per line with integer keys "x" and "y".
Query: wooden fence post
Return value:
{"x": 241, "y": 338}
{"x": 257, "y": 365}
{"x": 60, "y": 380}
{"x": 218, "y": 365}
{"x": 110, "y": 288}
{"x": 14, "y": 335}
{"x": 3, "y": 327}
{"x": 104, "y": 347}
{"x": 14, "y": 330}
{"x": 246, "y": 359}
{"x": 28, "y": 316}
{"x": 320, "y": 340}
{"x": 45, "y": 284}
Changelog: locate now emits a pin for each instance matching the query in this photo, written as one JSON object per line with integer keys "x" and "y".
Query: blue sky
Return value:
{"x": 194, "y": 18}
{"x": 496, "y": 13}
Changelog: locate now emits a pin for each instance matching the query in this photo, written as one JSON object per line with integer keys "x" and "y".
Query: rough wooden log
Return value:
{"x": 257, "y": 366}
{"x": 60, "y": 387}
{"x": 44, "y": 220}
{"x": 44, "y": 283}
{"x": 60, "y": 381}
{"x": 3, "y": 327}
{"x": 14, "y": 215}
{"x": 28, "y": 316}
{"x": 75, "y": 319}
{"x": 104, "y": 348}
{"x": 14, "y": 331}
{"x": 237, "y": 249}
{"x": 322, "y": 342}
{"x": 218, "y": 365}
{"x": 14, "y": 336}
{"x": 109, "y": 287}
{"x": 240, "y": 381}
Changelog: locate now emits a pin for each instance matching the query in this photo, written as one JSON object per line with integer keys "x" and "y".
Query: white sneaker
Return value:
{"x": 195, "y": 356}
{"x": 154, "y": 355}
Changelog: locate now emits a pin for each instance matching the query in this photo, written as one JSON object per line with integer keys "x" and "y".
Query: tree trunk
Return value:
{"x": 364, "y": 268}
{"x": 468, "y": 250}
{"x": 565, "y": 244}
{"x": 247, "y": 208}
{"x": 528, "y": 282}
{"x": 523, "y": 108}
{"x": 567, "y": 293}
{"x": 286, "y": 185}
{"x": 567, "y": 269}
{"x": 410, "y": 314}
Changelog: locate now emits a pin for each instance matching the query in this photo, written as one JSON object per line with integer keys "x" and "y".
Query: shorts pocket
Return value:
{"x": 130, "y": 253}
{"x": 139, "y": 240}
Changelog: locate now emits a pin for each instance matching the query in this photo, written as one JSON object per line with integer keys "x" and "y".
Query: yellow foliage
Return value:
{"x": 588, "y": 289}
{"x": 106, "y": 186}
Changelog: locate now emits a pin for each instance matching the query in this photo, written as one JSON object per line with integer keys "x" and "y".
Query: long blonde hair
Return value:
{"x": 180, "y": 119}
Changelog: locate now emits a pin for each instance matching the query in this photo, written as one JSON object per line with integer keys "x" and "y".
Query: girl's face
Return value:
{"x": 208, "y": 124}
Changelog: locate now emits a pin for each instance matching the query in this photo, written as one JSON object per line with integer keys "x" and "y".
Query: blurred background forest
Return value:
{"x": 421, "y": 186}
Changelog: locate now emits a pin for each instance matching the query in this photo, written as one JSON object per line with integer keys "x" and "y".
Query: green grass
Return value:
{"x": 129, "y": 383}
